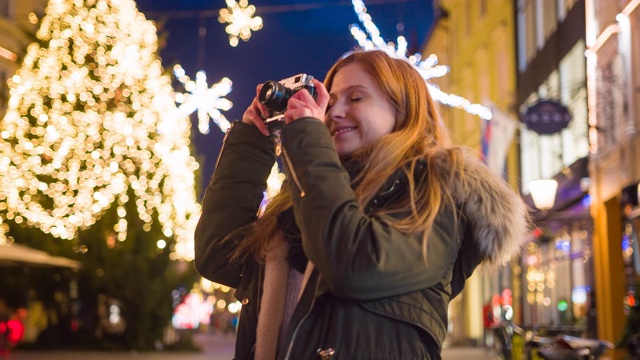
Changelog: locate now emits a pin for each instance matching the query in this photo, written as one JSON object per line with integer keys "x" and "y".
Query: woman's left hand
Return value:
{"x": 302, "y": 104}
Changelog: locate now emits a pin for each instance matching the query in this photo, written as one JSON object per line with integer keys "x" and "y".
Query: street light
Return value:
{"x": 543, "y": 193}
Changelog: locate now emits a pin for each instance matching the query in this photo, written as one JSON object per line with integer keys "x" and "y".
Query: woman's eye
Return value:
{"x": 356, "y": 98}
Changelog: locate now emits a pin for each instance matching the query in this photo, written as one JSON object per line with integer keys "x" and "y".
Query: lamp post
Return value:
{"x": 543, "y": 193}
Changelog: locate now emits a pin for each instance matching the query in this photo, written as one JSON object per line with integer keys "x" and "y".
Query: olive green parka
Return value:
{"x": 371, "y": 294}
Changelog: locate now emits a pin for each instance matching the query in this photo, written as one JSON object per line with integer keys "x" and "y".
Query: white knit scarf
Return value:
{"x": 272, "y": 303}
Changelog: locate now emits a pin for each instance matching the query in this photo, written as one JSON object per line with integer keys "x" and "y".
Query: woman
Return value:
{"x": 377, "y": 228}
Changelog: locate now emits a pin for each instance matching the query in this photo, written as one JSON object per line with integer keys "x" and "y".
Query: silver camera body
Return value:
{"x": 275, "y": 96}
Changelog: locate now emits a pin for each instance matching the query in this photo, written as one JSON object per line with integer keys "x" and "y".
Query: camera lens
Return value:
{"x": 274, "y": 96}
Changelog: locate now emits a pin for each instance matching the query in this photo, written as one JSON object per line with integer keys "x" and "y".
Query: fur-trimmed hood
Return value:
{"x": 498, "y": 216}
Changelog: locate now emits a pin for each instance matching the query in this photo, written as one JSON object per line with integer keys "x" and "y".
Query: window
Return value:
{"x": 557, "y": 269}
{"x": 522, "y": 37}
{"x": 467, "y": 21}
{"x": 483, "y": 7}
{"x": 566, "y": 84}
{"x": 550, "y": 14}
{"x": 6, "y": 8}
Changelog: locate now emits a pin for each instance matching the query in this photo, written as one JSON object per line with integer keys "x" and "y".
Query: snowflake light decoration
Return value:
{"x": 206, "y": 101}
{"x": 427, "y": 68}
{"x": 241, "y": 21}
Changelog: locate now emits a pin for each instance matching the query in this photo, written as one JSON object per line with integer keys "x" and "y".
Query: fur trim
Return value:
{"x": 499, "y": 217}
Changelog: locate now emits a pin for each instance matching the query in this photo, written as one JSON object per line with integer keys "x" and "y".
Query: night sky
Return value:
{"x": 298, "y": 36}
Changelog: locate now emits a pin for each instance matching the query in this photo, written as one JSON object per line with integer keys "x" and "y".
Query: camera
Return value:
{"x": 275, "y": 96}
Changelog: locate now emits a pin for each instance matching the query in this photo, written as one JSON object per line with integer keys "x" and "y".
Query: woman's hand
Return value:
{"x": 256, "y": 113}
{"x": 302, "y": 104}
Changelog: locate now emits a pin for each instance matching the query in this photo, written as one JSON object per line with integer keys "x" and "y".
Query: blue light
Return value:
{"x": 563, "y": 245}
{"x": 626, "y": 242}
{"x": 586, "y": 200}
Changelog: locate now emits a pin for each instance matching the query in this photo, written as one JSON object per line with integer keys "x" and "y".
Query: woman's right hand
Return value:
{"x": 257, "y": 113}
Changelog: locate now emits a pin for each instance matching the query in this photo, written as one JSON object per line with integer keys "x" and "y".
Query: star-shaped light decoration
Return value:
{"x": 428, "y": 68}
{"x": 207, "y": 101}
{"x": 241, "y": 21}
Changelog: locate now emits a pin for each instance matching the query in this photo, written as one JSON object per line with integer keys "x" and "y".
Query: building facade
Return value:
{"x": 558, "y": 263}
{"x": 581, "y": 60}
{"x": 613, "y": 86}
{"x": 476, "y": 40}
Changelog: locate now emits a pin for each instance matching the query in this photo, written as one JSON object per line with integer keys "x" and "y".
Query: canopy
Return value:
{"x": 15, "y": 253}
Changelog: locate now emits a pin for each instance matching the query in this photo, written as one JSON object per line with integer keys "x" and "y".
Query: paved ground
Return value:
{"x": 469, "y": 353}
{"x": 214, "y": 347}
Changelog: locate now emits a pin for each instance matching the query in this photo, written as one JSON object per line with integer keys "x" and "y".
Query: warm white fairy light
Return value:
{"x": 241, "y": 21}
{"x": 207, "y": 101}
{"x": 427, "y": 68}
{"x": 459, "y": 102}
{"x": 91, "y": 124}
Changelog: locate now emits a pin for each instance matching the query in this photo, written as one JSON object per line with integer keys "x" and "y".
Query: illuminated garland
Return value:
{"x": 427, "y": 68}
{"x": 91, "y": 120}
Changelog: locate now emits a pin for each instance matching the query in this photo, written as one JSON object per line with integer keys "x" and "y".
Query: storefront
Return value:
{"x": 557, "y": 263}
{"x": 629, "y": 245}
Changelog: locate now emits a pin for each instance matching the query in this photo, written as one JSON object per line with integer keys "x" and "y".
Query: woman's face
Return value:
{"x": 359, "y": 111}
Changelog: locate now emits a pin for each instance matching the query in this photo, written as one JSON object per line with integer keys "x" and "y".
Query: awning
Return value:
{"x": 20, "y": 254}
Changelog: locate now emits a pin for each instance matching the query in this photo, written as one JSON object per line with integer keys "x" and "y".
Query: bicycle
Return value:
{"x": 559, "y": 347}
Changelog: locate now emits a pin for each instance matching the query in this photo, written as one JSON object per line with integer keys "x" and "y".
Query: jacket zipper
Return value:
{"x": 224, "y": 143}
{"x": 281, "y": 149}
{"x": 295, "y": 332}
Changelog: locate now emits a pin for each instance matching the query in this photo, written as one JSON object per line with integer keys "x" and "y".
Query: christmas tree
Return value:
{"x": 94, "y": 151}
{"x": 91, "y": 116}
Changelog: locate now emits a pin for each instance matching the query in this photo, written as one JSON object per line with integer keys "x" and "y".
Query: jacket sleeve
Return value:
{"x": 359, "y": 256}
{"x": 468, "y": 259}
{"x": 231, "y": 201}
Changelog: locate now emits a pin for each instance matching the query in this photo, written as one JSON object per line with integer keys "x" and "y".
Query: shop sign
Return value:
{"x": 547, "y": 117}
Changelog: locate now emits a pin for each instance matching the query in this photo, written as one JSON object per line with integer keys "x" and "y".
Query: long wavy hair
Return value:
{"x": 419, "y": 133}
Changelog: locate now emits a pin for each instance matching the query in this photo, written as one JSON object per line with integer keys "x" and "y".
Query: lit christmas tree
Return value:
{"x": 92, "y": 125}
{"x": 93, "y": 151}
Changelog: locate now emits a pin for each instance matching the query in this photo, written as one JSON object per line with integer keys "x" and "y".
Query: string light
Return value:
{"x": 241, "y": 21}
{"x": 428, "y": 68}
{"x": 206, "y": 101}
{"x": 91, "y": 123}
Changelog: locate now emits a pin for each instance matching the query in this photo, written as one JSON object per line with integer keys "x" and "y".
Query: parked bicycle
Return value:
{"x": 559, "y": 347}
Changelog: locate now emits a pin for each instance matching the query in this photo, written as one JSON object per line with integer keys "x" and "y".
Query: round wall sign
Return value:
{"x": 547, "y": 117}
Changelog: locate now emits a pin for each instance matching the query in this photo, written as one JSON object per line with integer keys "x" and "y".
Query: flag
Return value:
{"x": 499, "y": 136}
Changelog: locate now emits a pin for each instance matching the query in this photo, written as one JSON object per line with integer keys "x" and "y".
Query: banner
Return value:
{"x": 502, "y": 128}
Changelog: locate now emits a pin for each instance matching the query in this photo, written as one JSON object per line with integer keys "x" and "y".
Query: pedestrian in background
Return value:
{"x": 378, "y": 225}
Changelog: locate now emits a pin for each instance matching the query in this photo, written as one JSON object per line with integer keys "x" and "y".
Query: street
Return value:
{"x": 214, "y": 347}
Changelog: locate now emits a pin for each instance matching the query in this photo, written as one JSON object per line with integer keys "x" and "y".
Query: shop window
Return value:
{"x": 557, "y": 266}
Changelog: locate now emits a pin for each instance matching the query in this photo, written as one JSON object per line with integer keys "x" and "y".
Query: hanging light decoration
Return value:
{"x": 428, "y": 68}
{"x": 241, "y": 21}
{"x": 206, "y": 101}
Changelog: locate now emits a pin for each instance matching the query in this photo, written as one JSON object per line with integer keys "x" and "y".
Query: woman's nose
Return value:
{"x": 336, "y": 111}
